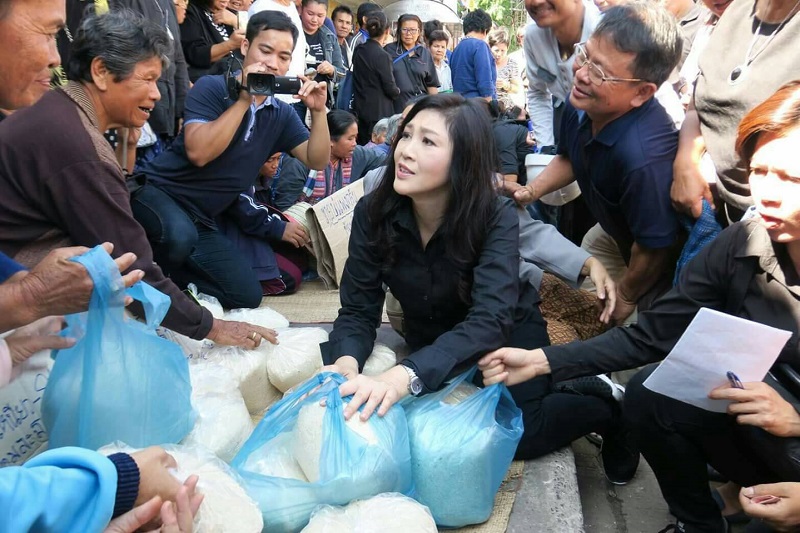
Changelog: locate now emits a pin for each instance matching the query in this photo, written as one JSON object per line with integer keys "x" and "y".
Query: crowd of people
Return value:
{"x": 677, "y": 121}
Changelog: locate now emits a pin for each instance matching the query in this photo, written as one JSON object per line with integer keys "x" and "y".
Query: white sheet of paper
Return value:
{"x": 713, "y": 344}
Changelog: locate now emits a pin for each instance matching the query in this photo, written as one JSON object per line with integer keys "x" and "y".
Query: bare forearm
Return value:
{"x": 558, "y": 174}
{"x": 644, "y": 270}
{"x": 690, "y": 141}
{"x": 205, "y": 142}
{"x": 318, "y": 150}
{"x": 220, "y": 50}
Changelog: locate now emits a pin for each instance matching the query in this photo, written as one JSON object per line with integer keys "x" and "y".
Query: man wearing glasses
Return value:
{"x": 619, "y": 143}
{"x": 549, "y": 54}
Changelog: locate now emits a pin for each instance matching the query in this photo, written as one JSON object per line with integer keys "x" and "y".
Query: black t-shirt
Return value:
{"x": 315, "y": 55}
{"x": 315, "y": 51}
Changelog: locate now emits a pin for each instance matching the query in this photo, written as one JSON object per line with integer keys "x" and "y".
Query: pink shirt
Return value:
{"x": 5, "y": 364}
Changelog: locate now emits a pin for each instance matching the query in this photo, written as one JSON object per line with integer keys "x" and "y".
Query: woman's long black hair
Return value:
{"x": 473, "y": 200}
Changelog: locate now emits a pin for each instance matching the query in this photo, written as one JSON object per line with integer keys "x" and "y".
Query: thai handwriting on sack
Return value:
{"x": 340, "y": 207}
{"x": 24, "y": 445}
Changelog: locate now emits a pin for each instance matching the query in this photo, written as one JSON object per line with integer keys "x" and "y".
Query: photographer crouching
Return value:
{"x": 228, "y": 134}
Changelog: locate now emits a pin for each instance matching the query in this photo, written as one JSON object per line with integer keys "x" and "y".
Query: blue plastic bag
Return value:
{"x": 344, "y": 93}
{"x": 121, "y": 381}
{"x": 461, "y": 452}
{"x": 350, "y": 468}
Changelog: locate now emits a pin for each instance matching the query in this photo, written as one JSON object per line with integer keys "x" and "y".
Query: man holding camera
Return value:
{"x": 229, "y": 132}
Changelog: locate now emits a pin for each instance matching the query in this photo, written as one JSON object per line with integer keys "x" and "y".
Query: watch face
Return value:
{"x": 416, "y": 386}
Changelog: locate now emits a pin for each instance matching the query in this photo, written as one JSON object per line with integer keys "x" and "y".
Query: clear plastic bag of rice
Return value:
{"x": 209, "y": 302}
{"x": 223, "y": 422}
{"x": 296, "y": 358}
{"x": 385, "y": 513}
{"x": 276, "y": 459}
{"x": 380, "y": 360}
{"x": 192, "y": 349}
{"x": 263, "y": 316}
{"x": 226, "y": 506}
{"x": 249, "y": 368}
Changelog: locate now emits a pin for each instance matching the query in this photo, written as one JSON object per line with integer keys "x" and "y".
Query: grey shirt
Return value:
{"x": 722, "y": 105}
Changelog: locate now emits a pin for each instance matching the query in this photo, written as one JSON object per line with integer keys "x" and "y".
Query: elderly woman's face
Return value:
{"x": 409, "y": 33}
{"x": 219, "y": 5}
{"x": 775, "y": 184}
{"x": 130, "y": 101}
{"x": 499, "y": 51}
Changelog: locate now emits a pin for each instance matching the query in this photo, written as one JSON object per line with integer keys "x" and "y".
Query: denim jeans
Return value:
{"x": 190, "y": 252}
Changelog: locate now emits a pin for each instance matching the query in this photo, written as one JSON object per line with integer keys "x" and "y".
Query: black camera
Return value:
{"x": 269, "y": 84}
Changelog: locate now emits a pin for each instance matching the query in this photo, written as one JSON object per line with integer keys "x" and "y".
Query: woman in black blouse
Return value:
{"x": 209, "y": 35}
{"x": 436, "y": 233}
{"x": 374, "y": 88}
{"x": 415, "y": 73}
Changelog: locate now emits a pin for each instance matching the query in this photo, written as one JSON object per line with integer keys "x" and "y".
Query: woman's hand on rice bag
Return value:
{"x": 172, "y": 520}
{"x": 241, "y": 334}
{"x": 155, "y": 478}
{"x": 346, "y": 365}
{"x": 512, "y": 366}
{"x": 379, "y": 392}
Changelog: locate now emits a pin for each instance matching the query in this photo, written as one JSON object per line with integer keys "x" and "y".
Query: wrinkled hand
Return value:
{"x": 242, "y": 334}
{"x": 760, "y": 405}
{"x": 783, "y": 514}
{"x": 689, "y": 188}
{"x": 313, "y": 94}
{"x": 175, "y": 518}
{"x": 59, "y": 286}
{"x": 606, "y": 288}
{"x": 33, "y": 338}
{"x": 346, "y": 365}
{"x": 379, "y": 392}
{"x": 512, "y": 366}
{"x": 154, "y": 477}
{"x": 295, "y": 234}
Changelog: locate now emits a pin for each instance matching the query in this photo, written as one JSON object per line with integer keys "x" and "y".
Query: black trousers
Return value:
{"x": 553, "y": 419}
{"x": 678, "y": 440}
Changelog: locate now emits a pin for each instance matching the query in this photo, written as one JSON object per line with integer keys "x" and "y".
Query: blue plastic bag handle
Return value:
{"x": 156, "y": 303}
{"x": 108, "y": 289}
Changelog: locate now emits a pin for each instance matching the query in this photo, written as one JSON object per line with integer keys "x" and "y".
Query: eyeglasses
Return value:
{"x": 596, "y": 74}
{"x": 410, "y": 31}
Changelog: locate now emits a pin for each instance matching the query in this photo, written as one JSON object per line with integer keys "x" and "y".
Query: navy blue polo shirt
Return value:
{"x": 625, "y": 173}
{"x": 207, "y": 191}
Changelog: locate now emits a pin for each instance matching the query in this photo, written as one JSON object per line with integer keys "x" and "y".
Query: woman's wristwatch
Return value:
{"x": 414, "y": 383}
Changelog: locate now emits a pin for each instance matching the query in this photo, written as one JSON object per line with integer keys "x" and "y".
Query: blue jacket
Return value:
{"x": 473, "y": 69}
{"x": 64, "y": 490}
